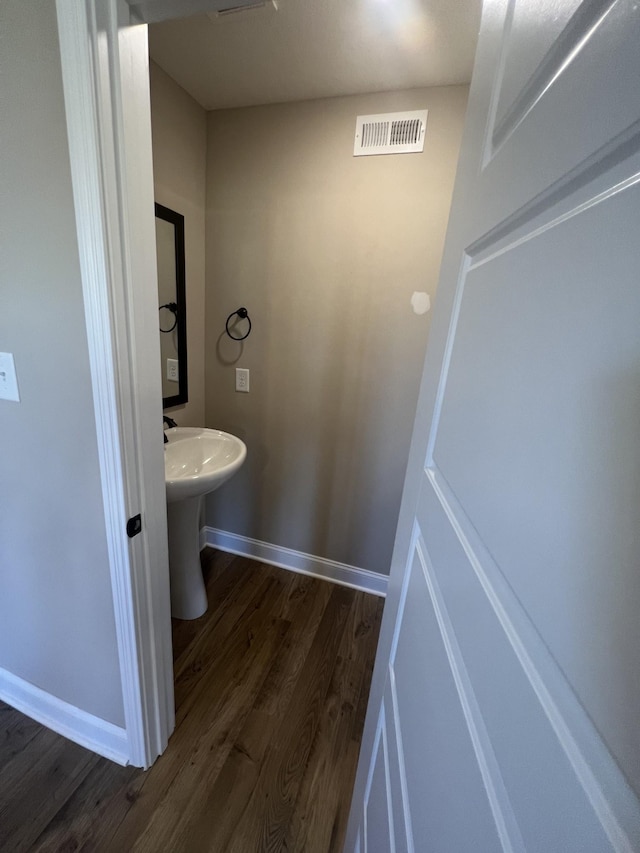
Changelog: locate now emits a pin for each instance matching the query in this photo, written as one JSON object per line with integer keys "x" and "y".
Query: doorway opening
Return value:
{"x": 324, "y": 246}
{"x": 332, "y": 255}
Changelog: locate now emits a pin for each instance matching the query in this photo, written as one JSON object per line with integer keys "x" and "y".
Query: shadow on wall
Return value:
{"x": 228, "y": 352}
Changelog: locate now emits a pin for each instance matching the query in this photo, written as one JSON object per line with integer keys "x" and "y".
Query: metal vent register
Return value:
{"x": 390, "y": 133}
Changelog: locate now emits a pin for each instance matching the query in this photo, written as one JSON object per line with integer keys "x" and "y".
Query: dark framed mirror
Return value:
{"x": 172, "y": 305}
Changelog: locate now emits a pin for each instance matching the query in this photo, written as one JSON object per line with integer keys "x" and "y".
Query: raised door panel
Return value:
{"x": 448, "y": 801}
{"x": 533, "y": 765}
{"x": 539, "y": 443}
{"x": 398, "y": 792}
{"x": 378, "y": 820}
{"x": 530, "y": 30}
{"x": 547, "y": 133}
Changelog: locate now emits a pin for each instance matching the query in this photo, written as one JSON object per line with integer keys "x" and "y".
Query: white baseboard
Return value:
{"x": 82, "y": 728}
{"x": 295, "y": 561}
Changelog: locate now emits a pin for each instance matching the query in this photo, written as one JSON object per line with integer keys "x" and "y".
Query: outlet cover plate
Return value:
{"x": 172, "y": 370}
{"x": 242, "y": 379}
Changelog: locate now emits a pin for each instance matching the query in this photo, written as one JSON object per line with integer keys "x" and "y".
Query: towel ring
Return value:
{"x": 243, "y": 314}
{"x": 173, "y": 307}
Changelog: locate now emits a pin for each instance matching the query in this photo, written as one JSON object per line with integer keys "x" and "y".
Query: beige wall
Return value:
{"x": 179, "y": 128}
{"x": 57, "y": 626}
{"x": 325, "y": 250}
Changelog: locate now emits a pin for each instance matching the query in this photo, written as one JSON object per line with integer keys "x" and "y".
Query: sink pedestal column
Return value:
{"x": 188, "y": 594}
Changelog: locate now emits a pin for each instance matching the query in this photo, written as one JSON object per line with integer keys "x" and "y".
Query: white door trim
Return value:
{"x": 105, "y": 79}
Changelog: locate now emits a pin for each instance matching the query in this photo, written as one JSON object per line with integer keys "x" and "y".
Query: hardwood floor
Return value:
{"x": 271, "y": 690}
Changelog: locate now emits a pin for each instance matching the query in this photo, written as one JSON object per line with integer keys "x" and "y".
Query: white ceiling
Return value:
{"x": 318, "y": 49}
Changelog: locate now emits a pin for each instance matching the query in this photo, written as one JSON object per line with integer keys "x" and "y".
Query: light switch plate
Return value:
{"x": 8, "y": 380}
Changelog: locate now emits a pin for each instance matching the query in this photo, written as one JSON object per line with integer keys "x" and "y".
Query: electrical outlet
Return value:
{"x": 8, "y": 381}
{"x": 242, "y": 379}
{"x": 172, "y": 369}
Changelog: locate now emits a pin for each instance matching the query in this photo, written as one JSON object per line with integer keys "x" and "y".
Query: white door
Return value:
{"x": 505, "y": 705}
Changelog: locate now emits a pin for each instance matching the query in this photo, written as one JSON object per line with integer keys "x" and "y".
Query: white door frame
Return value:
{"x": 106, "y": 90}
{"x": 105, "y": 72}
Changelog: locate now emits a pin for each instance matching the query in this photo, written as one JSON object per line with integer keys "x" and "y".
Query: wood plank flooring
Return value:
{"x": 271, "y": 689}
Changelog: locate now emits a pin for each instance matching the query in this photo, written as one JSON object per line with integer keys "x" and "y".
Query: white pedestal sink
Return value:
{"x": 196, "y": 462}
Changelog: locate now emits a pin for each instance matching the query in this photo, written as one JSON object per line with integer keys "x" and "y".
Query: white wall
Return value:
{"x": 57, "y": 626}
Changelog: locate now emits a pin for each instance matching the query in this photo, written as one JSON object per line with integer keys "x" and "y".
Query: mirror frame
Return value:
{"x": 177, "y": 220}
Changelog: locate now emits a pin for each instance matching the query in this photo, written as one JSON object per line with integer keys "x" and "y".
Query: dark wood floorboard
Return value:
{"x": 271, "y": 690}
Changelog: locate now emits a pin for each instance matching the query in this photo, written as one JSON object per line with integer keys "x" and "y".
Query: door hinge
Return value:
{"x": 134, "y": 526}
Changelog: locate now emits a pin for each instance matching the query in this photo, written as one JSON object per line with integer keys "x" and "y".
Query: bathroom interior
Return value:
{"x": 335, "y": 258}
{"x": 299, "y": 321}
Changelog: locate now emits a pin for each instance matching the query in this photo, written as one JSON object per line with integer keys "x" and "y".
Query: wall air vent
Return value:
{"x": 234, "y": 8}
{"x": 390, "y": 133}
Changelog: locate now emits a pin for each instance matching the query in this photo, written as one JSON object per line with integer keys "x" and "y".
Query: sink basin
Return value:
{"x": 197, "y": 461}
